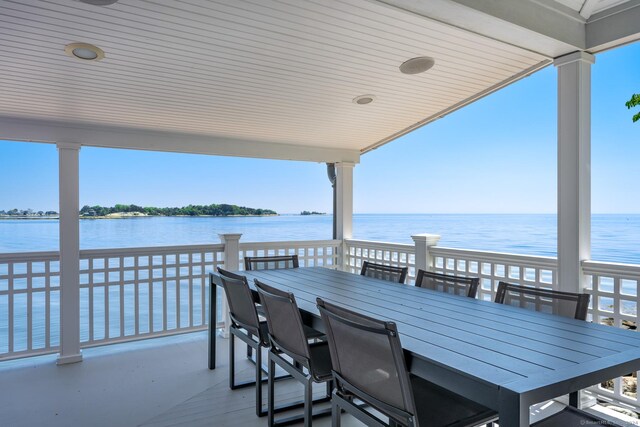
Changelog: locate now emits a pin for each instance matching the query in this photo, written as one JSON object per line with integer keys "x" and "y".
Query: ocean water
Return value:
{"x": 615, "y": 238}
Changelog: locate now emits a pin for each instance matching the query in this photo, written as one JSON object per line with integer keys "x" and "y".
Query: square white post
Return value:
{"x": 574, "y": 168}
{"x": 231, "y": 262}
{"x": 344, "y": 207}
{"x": 69, "y": 198}
{"x": 423, "y": 243}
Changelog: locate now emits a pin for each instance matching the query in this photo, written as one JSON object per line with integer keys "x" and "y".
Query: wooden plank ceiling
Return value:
{"x": 263, "y": 70}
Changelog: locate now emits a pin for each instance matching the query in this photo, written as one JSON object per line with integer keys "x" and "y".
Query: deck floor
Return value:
{"x": 162, "y": 382}
{"x": 159, "y": 382}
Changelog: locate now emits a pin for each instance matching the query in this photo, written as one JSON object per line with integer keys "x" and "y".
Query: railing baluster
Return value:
{"x": 10, "y": 287}
{"x": 47, "y": 304}
{"x": 136, "y": 296}
{"x": 151, "y": 283}
{"x": 29, "y": 306}
{"x": 91, "y": 299}
{"x": 121, "y": 286}
{"x": 105, "y": 285}
{"x": 178, "y": 266}
{"x": 164, "y": 293}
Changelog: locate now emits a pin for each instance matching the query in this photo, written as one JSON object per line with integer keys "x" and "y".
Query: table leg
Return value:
{"x": 213, "y": 320}
{"x": 574, "y": 399}
{"x": 513, "y": 410}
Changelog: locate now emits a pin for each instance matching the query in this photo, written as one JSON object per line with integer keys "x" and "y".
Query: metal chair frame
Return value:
{"x": 472, "y": 283}
{"x": 244, "y": 333}
{"x": 295, "y": 368}
{"x": 367, "y": 265}
{"x": 249, "y": 261}
{"x": 582, "y": 300}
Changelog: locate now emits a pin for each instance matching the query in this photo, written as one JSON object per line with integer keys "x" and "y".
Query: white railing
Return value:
{"x": 125, "y": 294}
{"x": 315, "y": 253}
{"x": 614, "y": 301}
{"x": 493, "y": 267}
{"x": 29, "y": 303}
{"x": 135, "y": 293}
{"x": 395, "y": 254}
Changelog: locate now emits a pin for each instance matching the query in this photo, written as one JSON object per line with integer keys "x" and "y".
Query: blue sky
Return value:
{"x": 497, "y": 155}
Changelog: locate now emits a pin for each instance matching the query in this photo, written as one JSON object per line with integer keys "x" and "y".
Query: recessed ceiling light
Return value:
{"x": 99, "y": 2}
{"x": 417, "y": 65}
{"x": 84, "y": 51}
{"x": 364, "y": 99}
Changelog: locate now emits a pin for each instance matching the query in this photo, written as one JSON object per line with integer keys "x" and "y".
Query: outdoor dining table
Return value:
{"x": 506, "y": 358}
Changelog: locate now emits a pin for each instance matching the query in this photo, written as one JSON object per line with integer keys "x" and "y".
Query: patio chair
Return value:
{"x": 465, "y": 286}
{"x": 566, "y": 304}
{"x": 369, "y": 365}
{"x": 246, "y": 325}
{"x": 309, "y": 362}
{"x": 270, "y": 262}
{"x": 384, "y": 272}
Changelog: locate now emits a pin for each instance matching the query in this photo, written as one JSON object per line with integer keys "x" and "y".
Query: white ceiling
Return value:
{"x": 275, "y": 78}
{"x": 261, "y": 70}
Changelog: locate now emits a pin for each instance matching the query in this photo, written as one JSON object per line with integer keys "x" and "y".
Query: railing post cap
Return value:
{"x": 224, "y": 237}
{"x": 429, "y": 239}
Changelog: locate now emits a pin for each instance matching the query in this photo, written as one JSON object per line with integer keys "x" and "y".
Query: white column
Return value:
{"x": 344, "y": 206}
{"x": 574, "y": 168}
{"x": 423, "y": 242}
{"x": 69, "y": 182}
{"x": 231, "y": 262}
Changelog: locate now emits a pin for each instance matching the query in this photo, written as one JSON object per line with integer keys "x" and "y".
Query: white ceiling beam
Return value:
{"x": 587, "y": 8}
{"x": 47, "y": 131}
{"x": 541, "y": 26}
{"x": 613, "y": 27}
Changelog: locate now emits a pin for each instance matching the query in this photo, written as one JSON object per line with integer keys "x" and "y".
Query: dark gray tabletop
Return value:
{"x": 505, "y": 357}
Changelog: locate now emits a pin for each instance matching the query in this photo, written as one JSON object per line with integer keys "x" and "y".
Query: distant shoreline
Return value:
{"x": 125, "y": 216}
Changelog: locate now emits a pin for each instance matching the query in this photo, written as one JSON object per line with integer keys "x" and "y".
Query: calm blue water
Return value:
{"x": 614, "y": 237}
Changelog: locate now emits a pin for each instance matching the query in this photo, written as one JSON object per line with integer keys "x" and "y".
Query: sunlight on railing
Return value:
{"x": 614, "y": 302}
{"x": 394, "y": 254}
{"x": 140, "y": 292}
{"x": 315, "y": 253}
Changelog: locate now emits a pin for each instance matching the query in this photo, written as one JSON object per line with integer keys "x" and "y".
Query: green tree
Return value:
{"x": 634, "y": 102}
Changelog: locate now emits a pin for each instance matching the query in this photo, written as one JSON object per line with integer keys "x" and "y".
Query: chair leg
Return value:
{"x": 308, "y": 402}
{"x": 249, "y": 349}
{"x": 335, "y": 413}
{"x": 271, "y": 388}
{"x": 258, "y": 382}
{"x": 232, "y": 362}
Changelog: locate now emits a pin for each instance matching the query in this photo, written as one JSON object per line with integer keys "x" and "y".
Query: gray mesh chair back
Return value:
{"x": 286, "y": 330}
{"x": 368, "y": 360}
{"x": 242, "y": 308}
{"x": 384, "y": 272}
{"x": 466, "y": 286}
{"x": 271, "y": 262}
{"x": 566, "y": 304}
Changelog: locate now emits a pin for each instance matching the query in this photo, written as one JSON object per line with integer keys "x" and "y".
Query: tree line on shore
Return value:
{"x": 191, "y": 210}
{"x": 27, "y": 212}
